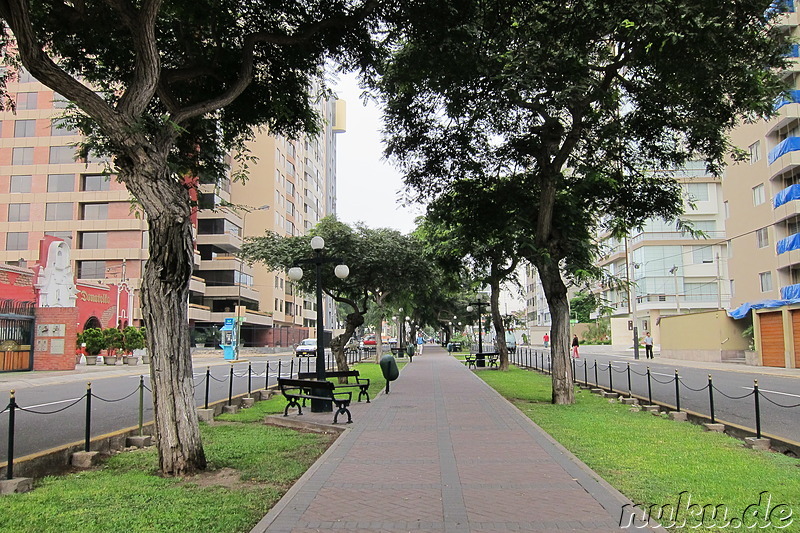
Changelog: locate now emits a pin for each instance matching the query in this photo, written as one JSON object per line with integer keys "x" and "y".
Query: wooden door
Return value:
{"x": 772, "y": 347}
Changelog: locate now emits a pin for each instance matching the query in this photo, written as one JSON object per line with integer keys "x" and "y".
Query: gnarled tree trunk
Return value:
{"x": 352, "y": 321}
{"x": 497, "y": 322}
{"x": 556, "y": 293}
{"x": 164, "y": 295}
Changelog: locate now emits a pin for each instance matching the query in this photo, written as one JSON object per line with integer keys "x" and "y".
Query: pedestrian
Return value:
{"x": 546, "y": 340}
{"x": 648, "y": 345}
{"x": 575, "y": 344}
{"x": 420, "y": 343}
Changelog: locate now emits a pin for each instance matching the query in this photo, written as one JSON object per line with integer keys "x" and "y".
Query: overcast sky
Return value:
{"x": 368, "y": 186}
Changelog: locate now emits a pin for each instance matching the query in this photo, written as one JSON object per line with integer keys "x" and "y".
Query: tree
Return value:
{"x": 582, "y": 305}
{"x": 578, "y": 103}
{"x": 383, "y": 264}
{"x": 166, "y": 89}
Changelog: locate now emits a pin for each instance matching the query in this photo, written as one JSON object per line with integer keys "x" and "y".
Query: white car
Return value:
{"x": 307, "y": 348}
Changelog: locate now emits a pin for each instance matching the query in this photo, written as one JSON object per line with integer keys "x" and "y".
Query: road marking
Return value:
{"x": 50, "y": 403}
{"x": 773, "y": 392}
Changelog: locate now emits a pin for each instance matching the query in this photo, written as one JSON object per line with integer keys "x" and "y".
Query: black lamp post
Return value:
{"x": 295, "y": 274}
{"x": 479, "y": 304}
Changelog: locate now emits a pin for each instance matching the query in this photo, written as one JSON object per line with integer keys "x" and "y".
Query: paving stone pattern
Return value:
{"x": 445, "y": 452}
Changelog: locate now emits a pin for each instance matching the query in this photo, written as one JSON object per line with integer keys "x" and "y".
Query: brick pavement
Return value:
{"x": 444, "y": 452}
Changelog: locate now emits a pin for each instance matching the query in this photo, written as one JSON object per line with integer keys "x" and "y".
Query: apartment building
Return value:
{"x": 763, "y": 221}
{"x": 44, "y": 190}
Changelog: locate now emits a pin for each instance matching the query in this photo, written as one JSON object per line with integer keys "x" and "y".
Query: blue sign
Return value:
{"x": 230, "y": 321}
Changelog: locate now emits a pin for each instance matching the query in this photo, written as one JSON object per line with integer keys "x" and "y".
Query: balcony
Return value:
{"x": 788, "y": 17}
{"x": 786, "y": 146}
{"x": 675, "y": 236}
{"x": 789, "y": 251}
{"x": 787, "y": 107}
{"x": 232, "y": 292}
{"x": 251, "y": 317}
{"x": 199, "y": 312}
{"x": 197, "y": 285}
{"x": 225, "y": 262}
{"x": 224, "y": 241}
{"x": 790, "y": 292}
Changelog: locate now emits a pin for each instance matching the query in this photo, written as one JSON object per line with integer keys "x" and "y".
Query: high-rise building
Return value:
{"x": 44, "y": 190}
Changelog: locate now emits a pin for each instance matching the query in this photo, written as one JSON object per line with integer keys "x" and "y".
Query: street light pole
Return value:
{"x": 479, "y": 304}
{"x": 295, "y": 274}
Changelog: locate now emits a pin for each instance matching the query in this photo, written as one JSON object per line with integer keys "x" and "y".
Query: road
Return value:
{"x": 53, "y": 410}
{"x": 779, "y": 398}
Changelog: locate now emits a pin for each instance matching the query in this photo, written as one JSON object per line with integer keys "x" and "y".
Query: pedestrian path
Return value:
{"x": 444, "y": 452}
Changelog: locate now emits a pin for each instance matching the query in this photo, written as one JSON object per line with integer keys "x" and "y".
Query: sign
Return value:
{"x": 230, "y": 321}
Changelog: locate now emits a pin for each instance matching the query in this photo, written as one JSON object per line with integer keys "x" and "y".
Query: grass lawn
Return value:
{"x": 652, "y": 460}
{"x": 251, "y": 466}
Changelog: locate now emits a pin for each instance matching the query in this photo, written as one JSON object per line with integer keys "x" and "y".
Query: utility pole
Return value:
{"x": 632, "y": 302}
{"x": 719, "y": 284}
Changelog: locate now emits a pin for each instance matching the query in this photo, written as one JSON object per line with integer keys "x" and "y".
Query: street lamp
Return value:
{"x": 239, "y": 318}
{"x": 402, "y": 333}
{"x": 295, "y": 274}
{"x": 674, "y": 272}
{"x": 471, "y": 307}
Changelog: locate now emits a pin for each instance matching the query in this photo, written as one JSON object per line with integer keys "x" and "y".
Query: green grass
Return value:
{"x": 126, "y": 494}
{"x": 650, "y": 458}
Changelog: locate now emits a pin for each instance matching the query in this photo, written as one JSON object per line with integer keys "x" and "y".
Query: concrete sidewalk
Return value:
{"x": 444, "y": 452}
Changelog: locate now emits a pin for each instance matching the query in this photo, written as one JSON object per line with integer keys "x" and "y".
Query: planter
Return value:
{"x": 91, "y": 359}
{"x": 110, "y": 359}
{"x": 145, "y": 359}
{"x": 131, "y": 360}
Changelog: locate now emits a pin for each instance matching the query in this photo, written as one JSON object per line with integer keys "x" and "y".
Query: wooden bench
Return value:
{"x": 308, "y": 389}
{"x": 361, "y": 383}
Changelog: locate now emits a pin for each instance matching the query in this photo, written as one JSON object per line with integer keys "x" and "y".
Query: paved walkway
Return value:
{"x": 444, "y": 452}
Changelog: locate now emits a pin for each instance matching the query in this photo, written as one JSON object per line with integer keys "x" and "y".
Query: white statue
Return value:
{"x": 55, "y": 282}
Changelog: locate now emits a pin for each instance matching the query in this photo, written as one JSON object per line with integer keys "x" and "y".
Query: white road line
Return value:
{"x": 660, "y": 374}
{"x": 773, "y": 392}
{"x": 46, "y": 404}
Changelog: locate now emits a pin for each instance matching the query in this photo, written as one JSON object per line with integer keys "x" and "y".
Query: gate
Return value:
{"x": 16, "y": 335}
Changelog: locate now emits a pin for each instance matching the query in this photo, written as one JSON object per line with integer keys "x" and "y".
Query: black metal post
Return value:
{"x": 230, "y": 386}
{"x": 630, "y": 390}
{"x": 12, "y": 405}
{"x": 266, "y": 376}
{"x": 585, "y": 373}
{"x": 249, "y": 379}
{"x": 573, "y": 369}
{"x": 711, "y": 399}
{"x": 677, "y": 391}
{"x": 320, "y": 406}
{"x": 208, "y": 383}
{"x": 88, "y": 435}
{"x": 291, "y": 368}
{"x": 758, "y": 410}
{"x": 279, "y": 368}
{"x": 141, "y": 405}
{"x": 596, "y": 380}
{"x": 610, "y": 378}
{"x": 649, "y": 388}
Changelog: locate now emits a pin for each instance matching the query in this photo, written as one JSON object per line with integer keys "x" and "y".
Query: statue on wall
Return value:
{"x": 55, "y": 281}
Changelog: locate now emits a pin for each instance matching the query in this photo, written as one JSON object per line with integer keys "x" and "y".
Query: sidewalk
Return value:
{"x": 444, "y": 452}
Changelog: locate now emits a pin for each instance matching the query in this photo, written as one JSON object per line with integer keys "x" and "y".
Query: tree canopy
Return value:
{"x": 578, "y": 103}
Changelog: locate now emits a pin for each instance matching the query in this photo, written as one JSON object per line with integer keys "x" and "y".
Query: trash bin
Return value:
{"x": 389, "y": 369}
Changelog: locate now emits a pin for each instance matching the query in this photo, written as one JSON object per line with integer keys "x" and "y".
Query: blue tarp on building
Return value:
{"x": 793, "y": 96}
{"x": 790, "y": 144}
{"x": 787, "y": 244}
{"x": 742, "y": 310}
{"x": 792, "y": 192}
{"x": 791, "y": 292}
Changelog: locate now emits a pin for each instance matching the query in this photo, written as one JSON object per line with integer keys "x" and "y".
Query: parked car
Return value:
{"x": 368, "y": 341}
{"x": 307, "y": 348}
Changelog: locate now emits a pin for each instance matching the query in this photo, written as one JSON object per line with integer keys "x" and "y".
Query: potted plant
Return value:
{"x": 132, "y": 339}
{"x": 95, "y": 342}
{"x": 113, "y": 342}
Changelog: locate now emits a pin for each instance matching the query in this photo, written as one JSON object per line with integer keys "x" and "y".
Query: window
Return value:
{"x": 95, "y": 182}
{"x": 759, "y": 195}
{"x": 766, "y": 281}
{"x": 20, "y": 184}
{"x": 58, "y": 211}
{"x": 697, "y": 192}
{"x": 700, "y": 292}
{"x": 25, "y": 77}
{"x": 755, "y": 152}
{"x": 60, "y": 182}
{"x": 93, "y": 240}
{"x": 26, "y": 100}
{"x": 60, "y": 155}
{"x": 17, "y": 240}
{"x": 24, "y": 128}
{"x": 59, "y": 102}
{"x": 762, "y": 238}
{"x": 65, "y": 235}
{"x": 702, "y": 254}
{"x": 59, "y": 128}
{"x": 727, "y": 209}
{"x": 22, "y": 156}
{"x": 95, "y": 212}
{"x": 19, "y": 212}
{"x": 91, "y": 269}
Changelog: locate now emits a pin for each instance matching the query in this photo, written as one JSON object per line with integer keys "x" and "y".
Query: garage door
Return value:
{"x": 796, "y": 334}
{"x": 772, "y": 348}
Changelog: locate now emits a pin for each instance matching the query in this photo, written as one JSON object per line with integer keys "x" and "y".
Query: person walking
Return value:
{"x": 648, "y": 345}
{"x": 575, "y": 344}
{"x": 546, "y": 340}
{"x": 420, "y": 343}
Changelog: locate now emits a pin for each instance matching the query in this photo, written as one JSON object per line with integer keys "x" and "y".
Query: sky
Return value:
{"x": 368, "y": 186}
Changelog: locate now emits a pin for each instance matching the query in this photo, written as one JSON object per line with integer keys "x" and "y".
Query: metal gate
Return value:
{"x": 16, "y": 335}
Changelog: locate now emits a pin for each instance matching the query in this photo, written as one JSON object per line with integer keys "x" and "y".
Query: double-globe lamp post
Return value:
{"x": 479, "y": 304}
{"x": 295, "y": 274}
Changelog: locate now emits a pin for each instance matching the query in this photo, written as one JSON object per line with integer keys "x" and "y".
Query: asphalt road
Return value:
{"x": 734, "y": 401}
{"x": 52, "y": 411}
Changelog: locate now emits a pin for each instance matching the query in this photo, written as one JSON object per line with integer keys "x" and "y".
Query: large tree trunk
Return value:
{"x": 497, "y": 322}
{"x": 556, "y": 293}
{"x": 165, "y": 294}
{"x": 352, "y": 321}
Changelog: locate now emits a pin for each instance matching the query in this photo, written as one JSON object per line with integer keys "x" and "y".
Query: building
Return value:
{"x": 44, "y": 190}
{"x": 763, "y": 221}
{"x": 671, "y": 270}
